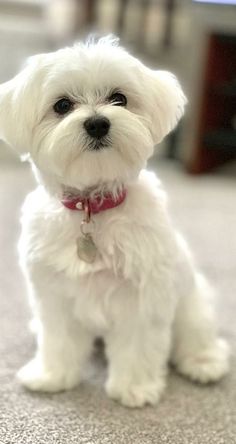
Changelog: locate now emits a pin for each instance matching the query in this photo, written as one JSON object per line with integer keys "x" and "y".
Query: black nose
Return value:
{"x": 97, "y": 127}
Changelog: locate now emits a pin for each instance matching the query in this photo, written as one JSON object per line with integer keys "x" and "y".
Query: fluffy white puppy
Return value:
{"x": 89, "y": 117}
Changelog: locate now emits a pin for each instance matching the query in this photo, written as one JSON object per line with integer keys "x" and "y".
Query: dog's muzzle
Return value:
{"x": 97, "y": 126}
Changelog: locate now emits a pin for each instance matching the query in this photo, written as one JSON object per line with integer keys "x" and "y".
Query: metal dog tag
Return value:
{"x": 86, "y": 248}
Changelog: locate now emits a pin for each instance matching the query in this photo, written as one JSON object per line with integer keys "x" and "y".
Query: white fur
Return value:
{"x": 142, "y": 294}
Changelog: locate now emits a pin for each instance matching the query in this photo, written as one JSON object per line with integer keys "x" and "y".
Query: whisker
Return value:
{"x": 96, "y": 144}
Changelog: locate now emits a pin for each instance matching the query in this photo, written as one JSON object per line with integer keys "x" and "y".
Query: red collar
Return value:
{"x": 96, "y": 204}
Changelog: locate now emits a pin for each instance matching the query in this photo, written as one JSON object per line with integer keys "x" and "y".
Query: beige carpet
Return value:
{"x": 204, "y": 209}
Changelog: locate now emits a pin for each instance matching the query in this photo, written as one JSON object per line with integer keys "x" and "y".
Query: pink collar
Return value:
{"x": 94, "y": 205}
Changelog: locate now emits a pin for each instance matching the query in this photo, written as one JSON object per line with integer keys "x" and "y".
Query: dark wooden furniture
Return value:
{"x": 216, "y": 133}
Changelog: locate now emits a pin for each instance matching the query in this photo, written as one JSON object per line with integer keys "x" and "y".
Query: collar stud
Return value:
{"x": 79, "y": 205}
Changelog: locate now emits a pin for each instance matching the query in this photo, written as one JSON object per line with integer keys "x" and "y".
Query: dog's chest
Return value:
{"x": 56, "y": 240}
{"x": 127, "y": 239}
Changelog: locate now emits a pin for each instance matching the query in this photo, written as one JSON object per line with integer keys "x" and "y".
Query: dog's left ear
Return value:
{"x": 164, "y": 101}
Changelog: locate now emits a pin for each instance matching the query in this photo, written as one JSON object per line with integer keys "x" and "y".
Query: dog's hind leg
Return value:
{"x": 198, "y": 352}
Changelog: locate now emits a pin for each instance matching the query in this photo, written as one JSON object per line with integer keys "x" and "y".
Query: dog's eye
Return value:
{"x": 118, "y": 99}
{"x": 63, "y": 106}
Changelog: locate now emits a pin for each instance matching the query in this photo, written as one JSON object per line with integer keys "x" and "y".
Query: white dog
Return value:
{"x": 99, "y": 253}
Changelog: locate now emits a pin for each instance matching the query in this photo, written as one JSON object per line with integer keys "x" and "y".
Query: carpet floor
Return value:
{"x": 204, "y": 210}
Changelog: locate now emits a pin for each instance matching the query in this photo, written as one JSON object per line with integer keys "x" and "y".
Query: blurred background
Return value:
{"x": 194, "y": 39}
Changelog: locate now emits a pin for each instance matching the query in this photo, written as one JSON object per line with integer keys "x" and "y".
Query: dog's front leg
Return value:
{"x": 137, "y": 351}
{"x": 63, "y": 344}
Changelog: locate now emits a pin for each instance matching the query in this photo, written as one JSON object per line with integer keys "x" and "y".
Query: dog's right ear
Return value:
{"x": 6, "y": 111}
{"x": 16, "y": 110}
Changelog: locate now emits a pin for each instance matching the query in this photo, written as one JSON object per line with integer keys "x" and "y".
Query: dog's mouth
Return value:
{"x": 99, "y": 144}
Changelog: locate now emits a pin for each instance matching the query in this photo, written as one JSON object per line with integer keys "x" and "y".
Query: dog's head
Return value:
{"x": 89, "y": 114}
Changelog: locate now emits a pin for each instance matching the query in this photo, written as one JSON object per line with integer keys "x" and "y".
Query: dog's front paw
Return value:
{"x": 34, "y": 377}
{"x": 208, "y": 365}
{"x": 136, "y": 395}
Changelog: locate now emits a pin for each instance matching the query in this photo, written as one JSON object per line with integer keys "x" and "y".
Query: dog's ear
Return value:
{"x": 16, "y": 112}
{"x": 164, "y": 100}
